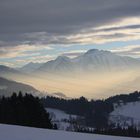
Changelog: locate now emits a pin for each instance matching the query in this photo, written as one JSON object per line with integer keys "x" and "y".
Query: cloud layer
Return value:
{"x": 61, "y": 17}
{"x": 40, "y": 23}
{"x": 132, "y": 50}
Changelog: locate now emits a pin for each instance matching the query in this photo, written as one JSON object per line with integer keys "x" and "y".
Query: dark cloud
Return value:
{"x": 59, "y": 17}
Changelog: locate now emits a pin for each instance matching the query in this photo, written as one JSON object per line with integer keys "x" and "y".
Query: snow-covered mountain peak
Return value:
{"x": 61, "y": 63}
{"x": 93, "y": 60}
{"x": 62, "y": 58}
{"x": 96, "y": 51}
{"x": 91, "y": 51}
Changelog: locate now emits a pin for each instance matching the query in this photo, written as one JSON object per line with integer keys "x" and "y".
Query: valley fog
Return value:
{"x": 93, "y": 85}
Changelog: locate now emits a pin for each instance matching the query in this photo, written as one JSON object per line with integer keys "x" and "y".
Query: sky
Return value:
{"x": 40, "y": 30}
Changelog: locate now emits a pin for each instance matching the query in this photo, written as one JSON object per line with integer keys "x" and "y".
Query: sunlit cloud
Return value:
{"x": 8, "y": 64}
{"x": 42, "y": 58}
{"x": 121, "y": 23}
{"x": 124, "y": 30}
{"x": 22, "y": 50}
{"x": 131, "y": 50}
{"x": 37, "y": 27}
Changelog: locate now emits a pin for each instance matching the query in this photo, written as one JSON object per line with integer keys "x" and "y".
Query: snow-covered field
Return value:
{"x": 11, "y": 132}
{"x": 126, "y": 114}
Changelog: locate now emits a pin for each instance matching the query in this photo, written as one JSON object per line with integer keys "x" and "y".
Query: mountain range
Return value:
{"x": 94, "y": 73}
{"x": 92, "y": 61}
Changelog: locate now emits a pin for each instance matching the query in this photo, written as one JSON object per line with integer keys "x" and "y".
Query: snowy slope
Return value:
{"x": 61, "y": 118}
{"x": 9, "y": 132}
{"x": 59, "y": 114}
{"x": 95, "y": 59}
{"x": 126, "y": 114}
{"x": 60, "y": 64}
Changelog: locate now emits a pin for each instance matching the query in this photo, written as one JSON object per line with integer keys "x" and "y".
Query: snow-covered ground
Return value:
{"x": 11, "y": 132}
{"x": 61, "y": 118}
{"x": 126, "y": 114}
{"x": 59, "y": 114}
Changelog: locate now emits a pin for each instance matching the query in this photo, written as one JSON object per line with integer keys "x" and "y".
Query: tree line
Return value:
{"x": 131, "y": 131}
{"x": 27, "y": 110}
{"x": 24, "y": 110}
{"x": 95, "y": 112}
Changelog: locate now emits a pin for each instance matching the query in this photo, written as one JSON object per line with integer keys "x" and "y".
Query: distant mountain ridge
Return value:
{"x": 8, "y": 72}
{"x": 92, "y": 60}
{"x": 94, "y": 73}
{"x": 95, "y": 59}
{"x": 61, "y": 63}
{"x": 30, "y": 67}
{"x": 7, "y": 87}
{"x": 6, "y": 69}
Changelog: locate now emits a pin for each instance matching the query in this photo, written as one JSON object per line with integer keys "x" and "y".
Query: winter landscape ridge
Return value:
{"x": 69, "y": 69}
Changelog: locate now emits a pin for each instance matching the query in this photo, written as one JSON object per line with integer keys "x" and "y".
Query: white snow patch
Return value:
{"x": 59, "y": 114}
{"x": 126, "y": 114}
{"x": 61, "y": 118}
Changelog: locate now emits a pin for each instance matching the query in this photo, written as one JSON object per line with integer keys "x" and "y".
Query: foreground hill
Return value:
{"x": 9, "y": 132}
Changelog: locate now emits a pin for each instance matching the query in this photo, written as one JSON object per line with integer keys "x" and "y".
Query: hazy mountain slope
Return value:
{"x": 11, "y": 73}
{"x": 104, "y": 60}
{"x": 60, "y": 64}
{"x": 92, "y": 61}
{"x": 5, "y": 69}
{"x": 7, "y": 87}
{"x": 30, "y": 67}
{"x": 11, "y": 132}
